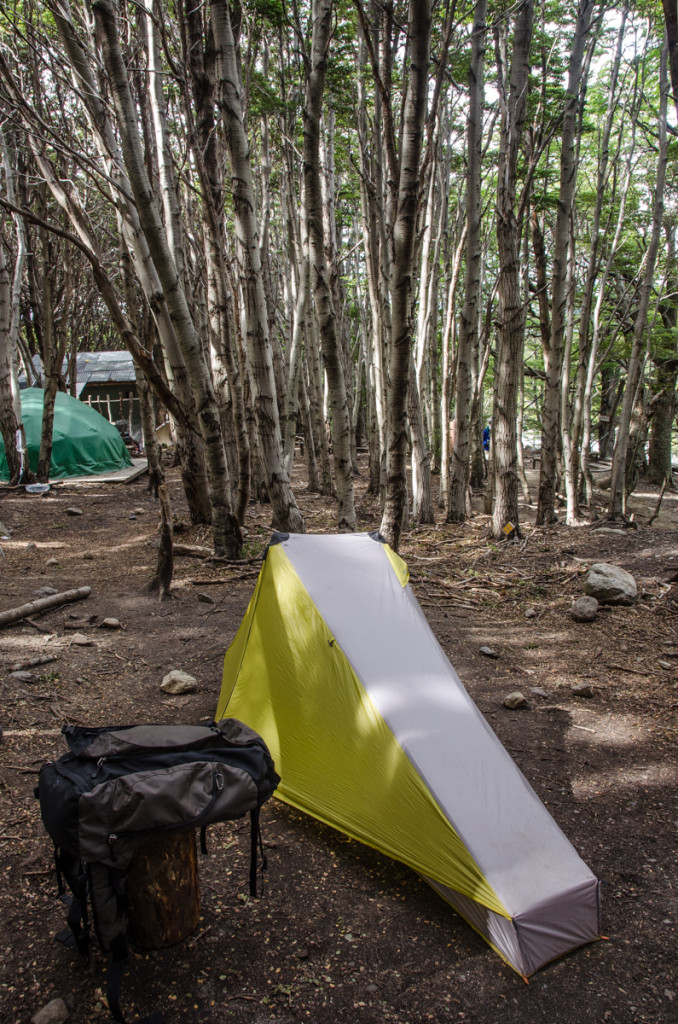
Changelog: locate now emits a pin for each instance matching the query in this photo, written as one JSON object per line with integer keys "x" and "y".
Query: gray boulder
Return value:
{"x": 584, "y": 609}
{"x": 177, "y": 681}
{"x": 55, "y": 1012}
{"x": 610, "y": 585}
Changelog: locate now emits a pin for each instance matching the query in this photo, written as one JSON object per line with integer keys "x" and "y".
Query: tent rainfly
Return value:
{"x": 83, "y": 441}
{"x": 373, "y": 733}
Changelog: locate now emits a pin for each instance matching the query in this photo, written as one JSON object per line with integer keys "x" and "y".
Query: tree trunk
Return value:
{"x": 204, "y": 143}
{"x": 330, "y": 344}
{"x": 616, "y": 507}
{"x": 664, "y": 406}
{"x": 512, "y": 311}
{"x": 286, "y": 513}
{"x": 9, "y": 424}
{"x": 553, "y": 352}
{"x": 226, "y": 530}
{"x": 422, "y": 503}
{"x": 82, "y": 61}
{"x": 401, "y": 269}
{"x": 467, "y": 345}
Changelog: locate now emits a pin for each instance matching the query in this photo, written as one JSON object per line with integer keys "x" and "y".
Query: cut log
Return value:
{"x": 163, "y": 891}
{"x": 44, "y": 604}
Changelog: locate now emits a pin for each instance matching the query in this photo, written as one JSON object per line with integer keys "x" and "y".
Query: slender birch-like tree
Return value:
{"x": 467, "y": 342}
{"x": 321, "y": 14}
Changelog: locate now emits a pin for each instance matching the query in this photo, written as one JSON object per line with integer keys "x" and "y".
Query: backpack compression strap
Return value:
{"x": 115, "y": 972}
{"x": 256, "y": 846}
{"x": 76, "y": 936}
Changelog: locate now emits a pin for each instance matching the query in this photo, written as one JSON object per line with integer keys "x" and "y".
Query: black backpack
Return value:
{"x": 123, "y": 786}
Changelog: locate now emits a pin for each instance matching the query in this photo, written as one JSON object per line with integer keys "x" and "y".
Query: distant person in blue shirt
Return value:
{"x": 486, "y": 438}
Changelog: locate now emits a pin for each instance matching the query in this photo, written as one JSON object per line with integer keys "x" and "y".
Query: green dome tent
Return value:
{"x": 83, "y": 441}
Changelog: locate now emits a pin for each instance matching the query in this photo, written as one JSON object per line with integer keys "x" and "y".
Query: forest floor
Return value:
{"x": 343, "y": 934}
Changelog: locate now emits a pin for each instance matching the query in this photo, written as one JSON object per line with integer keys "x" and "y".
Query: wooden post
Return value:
{"x": 163, "y": 891}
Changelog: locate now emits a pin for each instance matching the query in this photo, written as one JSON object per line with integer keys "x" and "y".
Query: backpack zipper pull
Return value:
{"x": 100, "y": 763}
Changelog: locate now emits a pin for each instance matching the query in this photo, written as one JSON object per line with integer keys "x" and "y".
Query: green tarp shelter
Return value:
{"x": 373, "y": 733}
{"x": 83, "y": 441}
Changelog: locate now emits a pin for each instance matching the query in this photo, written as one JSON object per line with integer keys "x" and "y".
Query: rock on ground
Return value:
{"x": 584, "y": 609}
{"x": 611, "y": 585}
{"x": 515, "y": 700}
{"x": 177, "y": 681}
{"x": 54, "y": 1012}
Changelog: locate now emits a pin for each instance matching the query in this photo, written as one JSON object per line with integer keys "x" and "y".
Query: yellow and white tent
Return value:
{"x": 373, "y": 733}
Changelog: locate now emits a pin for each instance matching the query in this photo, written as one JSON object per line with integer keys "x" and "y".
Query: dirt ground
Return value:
{"x": 343, "y": 934}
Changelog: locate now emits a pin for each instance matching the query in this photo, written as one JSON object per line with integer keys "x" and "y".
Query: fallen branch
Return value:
{"x": 192, "y": 551}
{"x": 44, "y": 604}
{"x": 44, "y": 659}
{"x": 36, "y": 625}
{"x": 659, "y": 502}
{"x": 237, "y": 561}
{"x": 631, "y": 671}
{"x": 230, "y": 579}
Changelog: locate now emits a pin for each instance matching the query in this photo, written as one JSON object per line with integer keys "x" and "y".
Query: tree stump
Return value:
{"x": 163, "y": 891}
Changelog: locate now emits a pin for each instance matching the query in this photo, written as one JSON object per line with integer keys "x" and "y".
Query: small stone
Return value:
{"x": 74, "y": 512}
{"x": 88, "y": 556}
{"x": 80, "y": 640}
{"x": 582, "y": 690}
{"x": 670, "y": 994}
{"x": 45, "y": 591}
{"x": 515, "y": 700}
{"x": 52, "y": 561}
{"x": 538, "y": 692}
{"x": 489, "y": 652}
{"x": 371, "y": 988}
{"x": 177, "y": 681}
{"x": 302, "y": 954}
{"x": 206, "y": 599}
{"x": 132, "y": 517}
{"x": 4, "y": 532}
{"x": 531, "y": 613}
{"x": 139, "y": 511}
{"x": 665, "y": 664}
{"x": 23, "y": 677}
{"x": 54, "y": 1012}
{"x": 31, "y": 546}
{"x": 111, "y": 624}
{"x": 584, "y": 609}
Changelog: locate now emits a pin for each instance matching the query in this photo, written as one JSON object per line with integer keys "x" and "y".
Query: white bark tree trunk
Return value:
{"x": 401, "y": 269}
{"x": 512, "y": 311}
{"x": 264, "y": 396}
{"x": 226, "y": 530}
{"x": 617, "y": 506}
{"x": 553, "y": 352}
{"x": 467, "y": 345}
{"x": 330, "y": 342}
